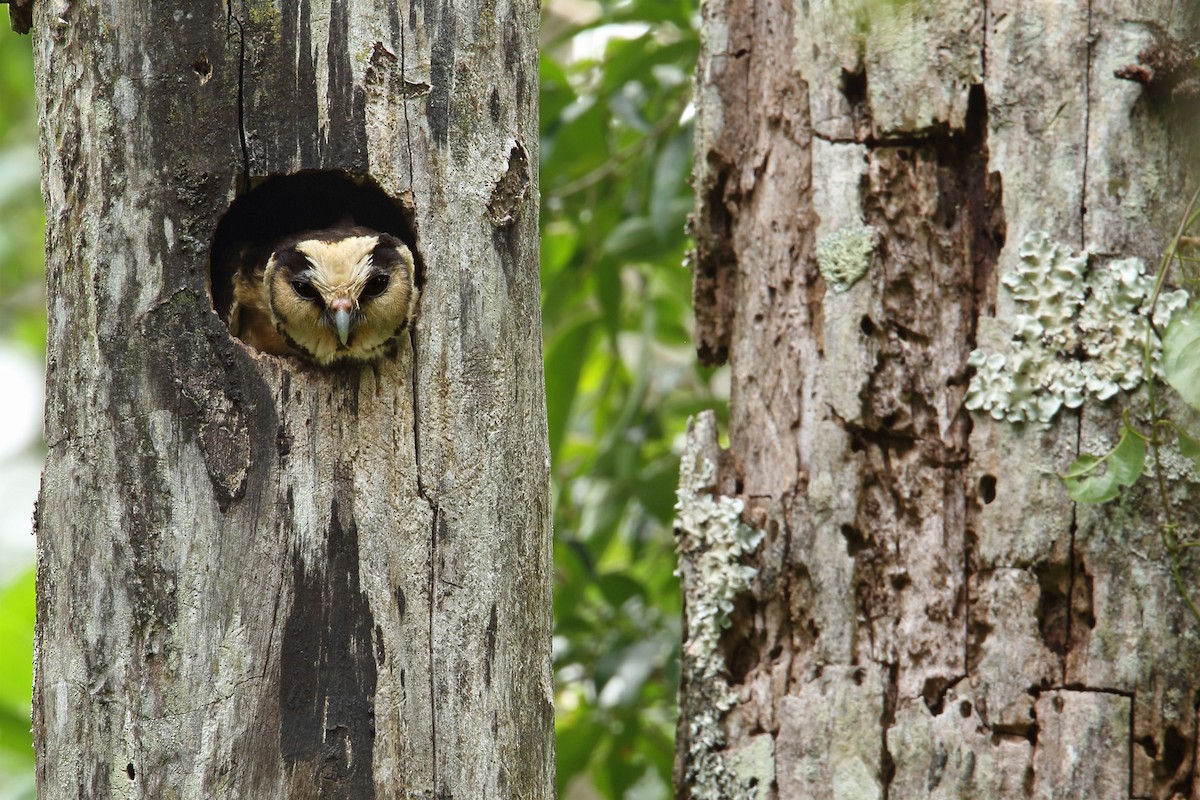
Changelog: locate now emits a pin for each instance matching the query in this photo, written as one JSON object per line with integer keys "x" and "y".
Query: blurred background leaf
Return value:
{"x": 22, "y": 342}
{"x": 22, "y": 298}
{"x": 621, "y": 377}
{"x": 16, "y": 678}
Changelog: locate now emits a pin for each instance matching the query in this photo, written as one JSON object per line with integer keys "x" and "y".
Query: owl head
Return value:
{"x": 342, "y": 294}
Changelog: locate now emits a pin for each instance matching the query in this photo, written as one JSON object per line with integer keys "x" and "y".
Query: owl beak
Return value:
{"x": 341, "y": 308}
{"x": 341, "y": 321}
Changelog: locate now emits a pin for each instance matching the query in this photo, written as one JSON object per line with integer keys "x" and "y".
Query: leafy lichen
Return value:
{"x": 1079, "y": 333}
{"x": 845, "y": 255}
{"x": 712, "y": 540}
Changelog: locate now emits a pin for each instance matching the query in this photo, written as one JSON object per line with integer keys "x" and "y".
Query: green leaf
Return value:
{"x": 575, "y": 747}
{"x": 608, "y": 291}
{"x": 1098, "y": 479}
{"x": 617, "y": 588}
{"x": 559, "y": 241}
{"x": 565, "y": 357}
{"x": 564, "y": 297}
{"x": 634, "y": 235}
{"x": 656, "y": 489}
{"x": 624, "y": 768}
{"x": 674, "y": 11}
{"x": 16, "y": 631}
{"x": 1181, "y": 355}
{"x": 627, "y": 108}
{"x": 580, "y": 144}
{"x": 554, "y": 95}
{"x": 16, "y": 678}
{"x": 16, "y": 741}
{"x": 638, "y": 239}
{"x": 670, "y": 181}
{"x": 634, "y": 60}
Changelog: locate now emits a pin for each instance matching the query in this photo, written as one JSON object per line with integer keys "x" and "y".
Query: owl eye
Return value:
{"x": 375, "y": 286}
{"x": 305, "y": 290}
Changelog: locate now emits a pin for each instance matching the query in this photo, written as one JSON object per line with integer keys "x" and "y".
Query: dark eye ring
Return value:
{"x": 376, "y": 286}
{"x": 305, "y": 290}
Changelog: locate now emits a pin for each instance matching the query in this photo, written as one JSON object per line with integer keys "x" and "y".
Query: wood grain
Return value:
{"x": 259, "y": 579}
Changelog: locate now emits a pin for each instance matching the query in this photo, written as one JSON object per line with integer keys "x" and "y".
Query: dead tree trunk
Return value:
{"x": 260, "y": 579}
{"x": 915, "y": 607}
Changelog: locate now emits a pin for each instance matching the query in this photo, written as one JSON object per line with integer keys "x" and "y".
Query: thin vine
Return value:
{"x": 1099, "y": 479}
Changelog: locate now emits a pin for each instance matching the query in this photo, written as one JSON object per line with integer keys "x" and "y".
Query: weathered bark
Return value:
{"x": 929, "y": 615}
{"x": 259, "y": 579}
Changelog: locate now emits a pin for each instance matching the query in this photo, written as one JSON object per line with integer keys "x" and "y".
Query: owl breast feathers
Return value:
{"x": 327, "y": 296}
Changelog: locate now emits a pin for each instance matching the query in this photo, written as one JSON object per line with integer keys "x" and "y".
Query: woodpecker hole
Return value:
{"x": 276, "y": 206}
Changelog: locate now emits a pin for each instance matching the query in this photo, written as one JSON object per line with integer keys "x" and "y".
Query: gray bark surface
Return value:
{"x": 929, "y": 615}
{"x": 259, "y": 579}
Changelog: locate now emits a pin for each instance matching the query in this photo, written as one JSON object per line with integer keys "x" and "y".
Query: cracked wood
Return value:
{"x": 258, "y": 579}
{"x": 926, "y": 595}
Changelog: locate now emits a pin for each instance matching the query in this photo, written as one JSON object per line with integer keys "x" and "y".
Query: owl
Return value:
{"x": 338, "y": 295}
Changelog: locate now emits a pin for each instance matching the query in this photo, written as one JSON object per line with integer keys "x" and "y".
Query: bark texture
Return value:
{"x": 259, "y": 579}
{"x": 929, "y": 615}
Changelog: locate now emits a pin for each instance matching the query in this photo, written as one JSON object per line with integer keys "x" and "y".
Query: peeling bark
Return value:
{"x": 930, "y": 615}
{"x": 259, "y": 579}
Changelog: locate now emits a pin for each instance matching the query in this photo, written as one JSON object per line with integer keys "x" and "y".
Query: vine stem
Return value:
{"x": 1169, "y": 526}
{"x": 1164, "y": 266}
{"x": 1175, "y": 571}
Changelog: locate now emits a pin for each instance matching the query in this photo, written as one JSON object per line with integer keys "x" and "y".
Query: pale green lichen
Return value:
{"x": 1079, "y": 333}
{"x": 1177, "y": 468}
{"x": 712, "y": 541}
{"x": 845, "y": 255}
{"x": 753, "y": 767}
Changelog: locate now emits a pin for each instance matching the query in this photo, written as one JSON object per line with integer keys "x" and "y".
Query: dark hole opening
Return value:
{"x": 854, "y": 86}
{"x": 1148, "y": 744}
{"x": 1176, "y": 747}
{"x": 130, "y": 771}
{"x": 855, "y": 541}
{"x": 1053, "y": 606}
{"x": 284, "y": 205}
{"x": 987, "y": 489}
{"x": 933, "y": 692}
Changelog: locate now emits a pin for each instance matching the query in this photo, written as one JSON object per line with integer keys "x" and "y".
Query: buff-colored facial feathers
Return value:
{"x": 342, "y": 295}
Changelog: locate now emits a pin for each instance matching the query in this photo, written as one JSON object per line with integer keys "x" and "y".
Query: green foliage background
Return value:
{"x": 621, "y": 378}
{"x": 23, "y": 323}
{"x": 621, "y": 381}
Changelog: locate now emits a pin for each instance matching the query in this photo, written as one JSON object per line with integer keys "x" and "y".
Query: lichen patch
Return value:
{"x": 1079, "y": 332}
{"x": 712, "y": 541}
{"x": 845, "y": 255}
